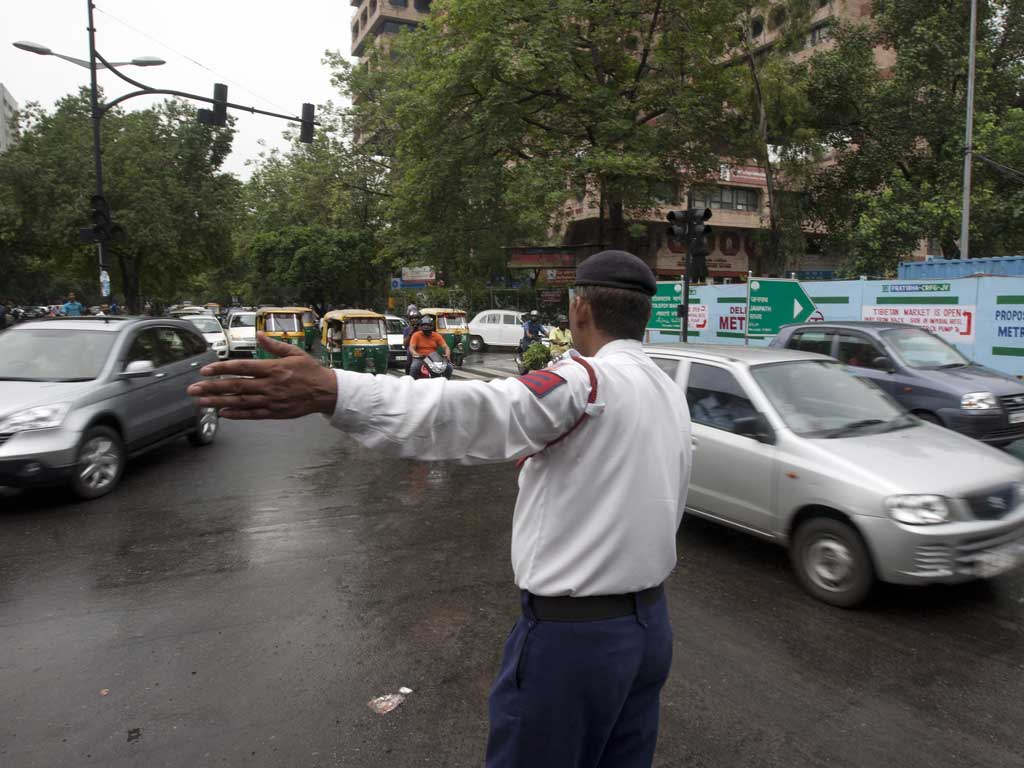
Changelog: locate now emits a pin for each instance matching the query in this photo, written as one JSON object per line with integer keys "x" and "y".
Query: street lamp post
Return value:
{"x": 965, "y": 213}
{"x": 98, "y": 109}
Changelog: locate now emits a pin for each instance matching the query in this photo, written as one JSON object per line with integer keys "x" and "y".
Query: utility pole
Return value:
{"x": 96, "y": 116}
{"x": 965, "y": 217}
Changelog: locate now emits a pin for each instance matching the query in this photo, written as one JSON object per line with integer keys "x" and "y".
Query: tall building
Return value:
{"x": 8, "y": 108}
{"x": 381, "y": 19}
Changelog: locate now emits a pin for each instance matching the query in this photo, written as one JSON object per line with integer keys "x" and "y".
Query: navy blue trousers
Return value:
{"x": 580, "y": 694}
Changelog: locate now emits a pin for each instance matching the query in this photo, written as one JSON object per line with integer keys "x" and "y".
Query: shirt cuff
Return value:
{"x": 358, "y": 397}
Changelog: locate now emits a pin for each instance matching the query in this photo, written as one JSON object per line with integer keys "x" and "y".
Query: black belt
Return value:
{"x": 596, "y": 608}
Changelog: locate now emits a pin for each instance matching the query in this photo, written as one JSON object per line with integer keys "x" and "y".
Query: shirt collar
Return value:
{"x": 619, "y": 345}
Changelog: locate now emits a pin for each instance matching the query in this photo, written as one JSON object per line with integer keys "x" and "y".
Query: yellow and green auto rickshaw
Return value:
{"x": 452, "y": 325}
{"x": 356, "y": 340}
{"x": 280, "y": 323}
{"x": 309, "y": 327}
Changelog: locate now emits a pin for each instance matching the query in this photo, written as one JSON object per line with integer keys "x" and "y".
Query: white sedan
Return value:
{"x": 212, "y": 332}
{"x": 496, "y": 328}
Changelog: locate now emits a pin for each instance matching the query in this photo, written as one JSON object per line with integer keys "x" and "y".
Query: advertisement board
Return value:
{"x": 418, "y": 275}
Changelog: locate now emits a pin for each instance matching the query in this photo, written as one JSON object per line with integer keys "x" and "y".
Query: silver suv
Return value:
{"x": 790, "y": 447}
{"x": 79, "y": 396}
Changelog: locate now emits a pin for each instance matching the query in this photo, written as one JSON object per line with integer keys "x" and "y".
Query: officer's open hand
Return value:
{"x": 293, "y": 385}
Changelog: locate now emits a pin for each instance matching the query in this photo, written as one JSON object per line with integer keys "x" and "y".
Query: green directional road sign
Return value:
{"x": 774, "y": 303}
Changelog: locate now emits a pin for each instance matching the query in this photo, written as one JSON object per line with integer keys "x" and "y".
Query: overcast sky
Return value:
{"x": 267, "y": 52}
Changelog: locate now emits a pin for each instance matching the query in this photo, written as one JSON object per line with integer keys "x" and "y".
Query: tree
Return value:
{"x": 770, "y": 106}
{"x": 163, "y": 183}
{"x": 889, "y": 100}
{"x": 492, "y": 115}
{"x": 313, "y": 215}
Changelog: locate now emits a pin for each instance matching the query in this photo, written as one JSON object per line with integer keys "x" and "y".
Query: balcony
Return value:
{"x": 386, "y": 17}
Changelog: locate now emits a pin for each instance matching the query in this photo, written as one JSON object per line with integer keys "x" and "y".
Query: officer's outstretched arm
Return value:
{"x": 469, "y": 421}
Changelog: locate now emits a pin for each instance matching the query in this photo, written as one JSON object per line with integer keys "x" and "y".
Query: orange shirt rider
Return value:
{"x": 425, "y": 341}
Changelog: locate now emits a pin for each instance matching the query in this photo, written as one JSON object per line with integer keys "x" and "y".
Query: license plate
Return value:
{"x": 1017, "y": 418}
{"x": 997, "y": 561}
{"x": 401, "y": 357}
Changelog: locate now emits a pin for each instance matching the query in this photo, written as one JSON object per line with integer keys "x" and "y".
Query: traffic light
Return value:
{"x": 679, "y": 225}
{"x": 99, "y": 215}
{"x": 219, "y": 114}
{"x": 306, "y": 129}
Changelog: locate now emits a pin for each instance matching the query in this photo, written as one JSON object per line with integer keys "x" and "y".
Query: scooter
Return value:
{"x": 524, "y": 345}
{"x": 434, "y": 366}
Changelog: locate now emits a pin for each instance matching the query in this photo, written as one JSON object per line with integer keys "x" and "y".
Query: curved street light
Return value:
{"x": 42, "y": 50}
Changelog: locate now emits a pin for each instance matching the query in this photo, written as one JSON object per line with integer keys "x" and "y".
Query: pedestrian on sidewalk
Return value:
{"x": 604, "y": 446}
{"x": 72, "y": 307}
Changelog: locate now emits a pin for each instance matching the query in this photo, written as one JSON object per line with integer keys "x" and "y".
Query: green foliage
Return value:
{"x": 163, "y": 184}
{"x": 309, "y": 234}
{"x": 492, "y": 114}
{"x": 536, "y": 357}
{"x": 896, "y": 131}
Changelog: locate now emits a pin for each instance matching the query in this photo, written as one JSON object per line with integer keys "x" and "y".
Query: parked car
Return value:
{"x": 790, "y": 447}
{"x": 398, "y": 353}
{"x": 496, "y": 328}
{"x": 926, "y": 375}
{"x": 241, "y": 333}
{"x": 79, "y": 396}
{"x": 212, "y": 331}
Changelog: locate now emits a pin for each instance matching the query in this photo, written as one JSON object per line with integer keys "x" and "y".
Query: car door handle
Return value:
{"x": 159, "y": 375}
{"x": 193, "y": 365}
{"x": 693, "y": 444}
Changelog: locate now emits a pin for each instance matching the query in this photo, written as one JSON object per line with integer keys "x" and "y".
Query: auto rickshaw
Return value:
{"x": 452, "y": 325}
{"x": 356, "y": 340}
{"x": 309, "y": 327}
{"x": 282, "y": 324}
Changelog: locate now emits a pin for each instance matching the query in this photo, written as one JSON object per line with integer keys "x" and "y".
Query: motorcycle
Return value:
{"x": 434, "y": 366}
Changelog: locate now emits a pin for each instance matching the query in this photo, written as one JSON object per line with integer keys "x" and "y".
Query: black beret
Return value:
{"x": 617, "y": 269}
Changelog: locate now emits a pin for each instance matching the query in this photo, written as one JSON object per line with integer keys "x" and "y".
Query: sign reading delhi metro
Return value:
{"x": 773, "y": 303}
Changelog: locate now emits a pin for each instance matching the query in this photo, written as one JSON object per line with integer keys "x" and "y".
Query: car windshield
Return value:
{"x": 53, "y": 354}
{"x": 244, "y": 320}
{"x": 280, "y": 322}
{"x": 819, "y": 398}
{"x": 451, "y": 321}
{"x": 920, "y": 349}
{"x": 396, "y": 326}
{"x": 364, "y": 328}
{"x": 206, "y": 324}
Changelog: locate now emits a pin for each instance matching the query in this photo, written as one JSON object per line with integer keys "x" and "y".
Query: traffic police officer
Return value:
{"x": 603, "y": 441}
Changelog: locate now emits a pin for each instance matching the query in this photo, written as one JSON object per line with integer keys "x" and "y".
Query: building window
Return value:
{"x": 423, "y": 6}
{"x": 820, "y": 34}
{"x": 373, "y": 7}
{"x": 665, "y": 191}
{"x": 355, "y": 30}
{"x": 394, "y": 27}
{"x": 363, "y": 17}
{"x": 398, "y": 3}
{"x": 756, "y": 27}
{"x": 777, "y": 17}
{"x": 729, "y": 199}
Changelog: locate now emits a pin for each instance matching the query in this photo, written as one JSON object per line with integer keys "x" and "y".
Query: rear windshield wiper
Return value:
{"x": 853, "y": 426}
{"x": 952, "y": 365}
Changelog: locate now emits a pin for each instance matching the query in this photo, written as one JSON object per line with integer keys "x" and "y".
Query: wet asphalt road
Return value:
{"x": 240, "y": 604}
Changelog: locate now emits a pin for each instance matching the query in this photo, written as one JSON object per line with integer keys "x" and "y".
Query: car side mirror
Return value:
{"x": 755, "y": 427}
{"x": 138, "y": 369}
{"x": 883, "y": 363}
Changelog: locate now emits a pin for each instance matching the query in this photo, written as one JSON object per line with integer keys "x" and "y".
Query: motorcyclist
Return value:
{"x": 561, "y": 337}
{"x": 533, "y": 330}
{"x": 423, "y": 342}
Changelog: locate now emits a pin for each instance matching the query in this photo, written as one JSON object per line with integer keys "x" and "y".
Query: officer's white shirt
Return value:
{"x": 597, "y": 513}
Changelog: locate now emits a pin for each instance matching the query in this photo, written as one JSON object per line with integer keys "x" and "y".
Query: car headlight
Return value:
{"x": 40, "y": 417}
{"x": 918, "y": 510}
{"x": 978, "y": 401}
{"x": 220, "y": 343}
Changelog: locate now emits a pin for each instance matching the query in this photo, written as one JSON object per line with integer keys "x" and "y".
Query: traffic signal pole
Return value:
{"x": 684, "y": 333}
{"x": 98, "y": 110}
{"x": 97, "y": 115}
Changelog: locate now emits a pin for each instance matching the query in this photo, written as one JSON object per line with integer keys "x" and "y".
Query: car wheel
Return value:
{"x": 832, "y": 562}
{"x": 476, "y": 344}
{"x": 99, "y": 465}
{"x": 207, "y": 423}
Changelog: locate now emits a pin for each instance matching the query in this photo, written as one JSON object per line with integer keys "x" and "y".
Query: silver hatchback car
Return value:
{"x": 791, "y": 447}
{"x": 79, "y": 396}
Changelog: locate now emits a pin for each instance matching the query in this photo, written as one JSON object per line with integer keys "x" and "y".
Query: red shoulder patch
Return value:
{"x": 541, "y": 383}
